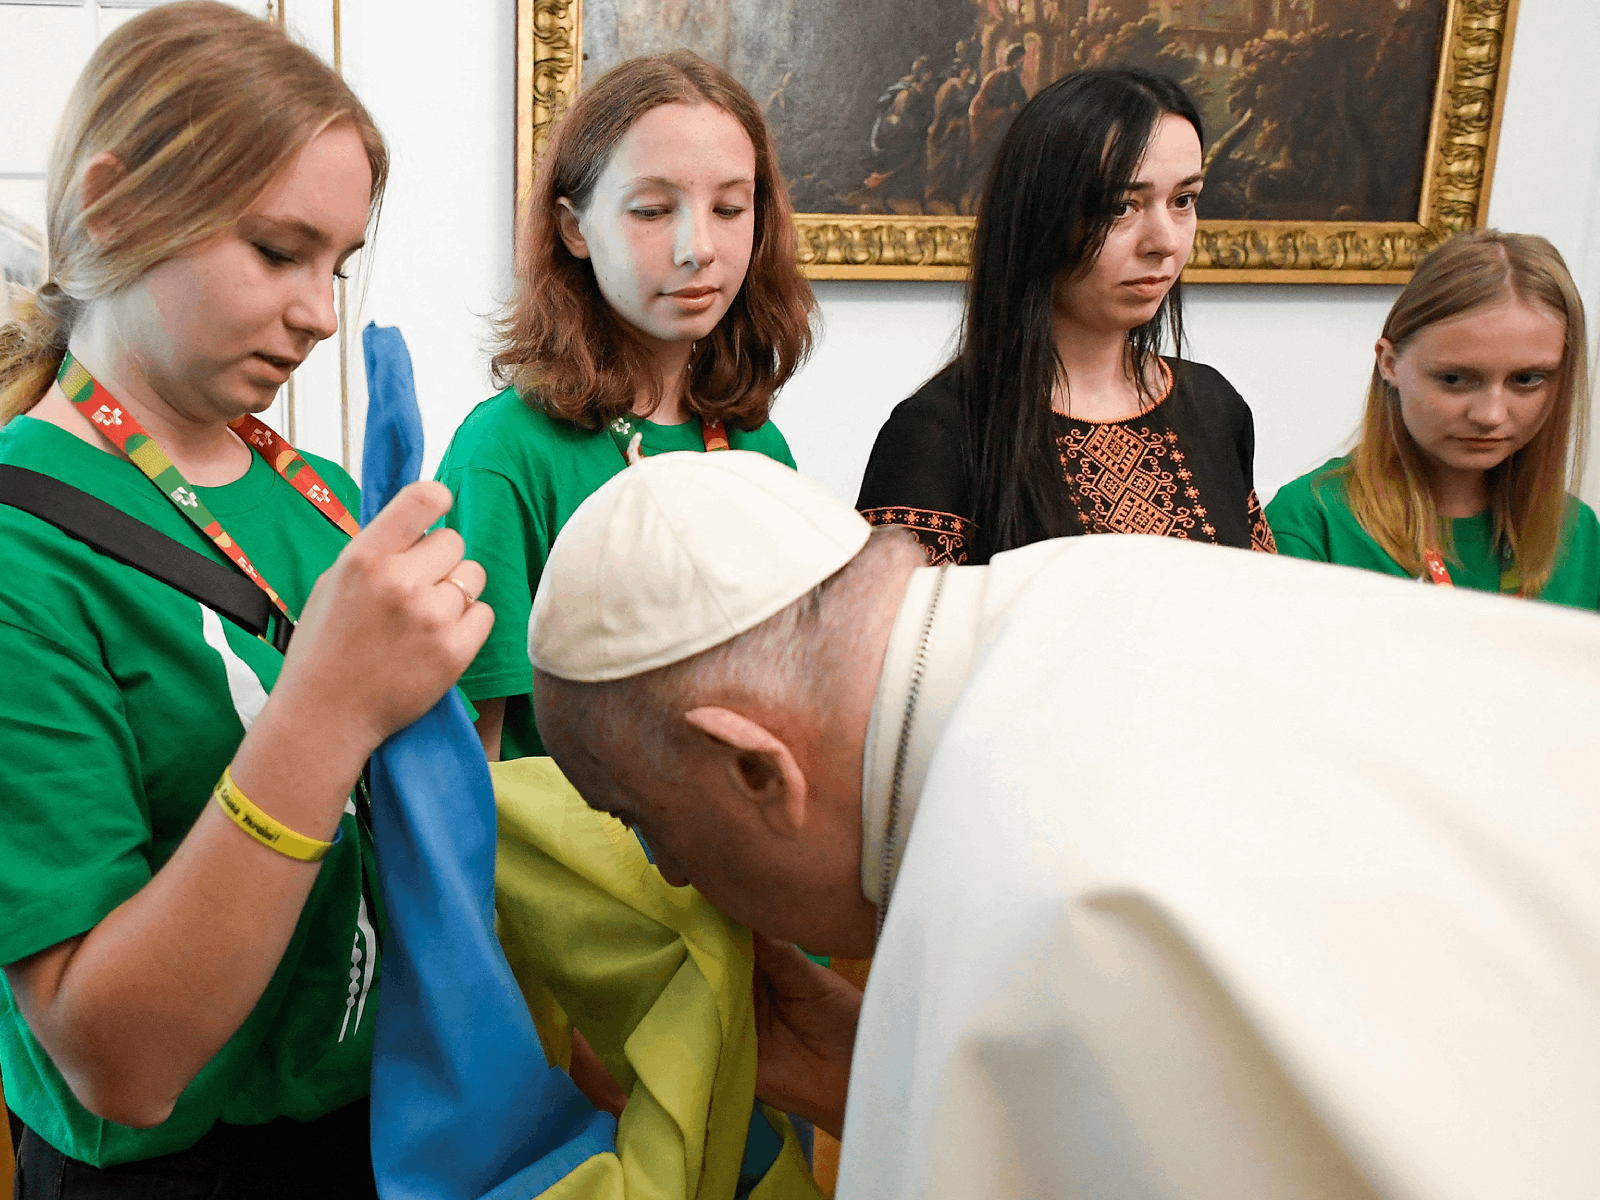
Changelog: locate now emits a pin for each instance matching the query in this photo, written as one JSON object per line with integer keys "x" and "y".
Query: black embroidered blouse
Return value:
{"x": 1183, "y": 468}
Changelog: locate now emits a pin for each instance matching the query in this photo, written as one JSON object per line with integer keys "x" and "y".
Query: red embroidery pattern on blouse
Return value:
{"x": 945, "y": 537}
{"x": 1132, "y": 479}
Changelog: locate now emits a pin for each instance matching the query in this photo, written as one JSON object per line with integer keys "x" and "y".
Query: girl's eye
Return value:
{"x": 276, "y": 257}
{"x": 729, "y": 211}
{"x": 1449, "y": 378}
{"x": 1529, "y": 379}
{"x": 649, "y": 212}
{"x": 1187, "y": 200}
{"x": 1122, "y": 208}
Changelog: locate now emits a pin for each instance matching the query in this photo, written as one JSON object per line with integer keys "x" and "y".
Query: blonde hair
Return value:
{"x": 1386, "y": 476}
{"x": 203, "y": 106}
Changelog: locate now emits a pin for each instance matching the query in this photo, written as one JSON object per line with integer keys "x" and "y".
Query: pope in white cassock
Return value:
{"x": 1200, "y": 873}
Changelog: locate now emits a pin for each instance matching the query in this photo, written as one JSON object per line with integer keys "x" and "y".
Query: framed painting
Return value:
{"x": 1344, "y": 138}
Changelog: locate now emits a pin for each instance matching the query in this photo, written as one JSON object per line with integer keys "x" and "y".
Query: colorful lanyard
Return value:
{"x": 1510, "y": 576}
{"x": 125, "y": 432}
{"x": 631, "y": 441}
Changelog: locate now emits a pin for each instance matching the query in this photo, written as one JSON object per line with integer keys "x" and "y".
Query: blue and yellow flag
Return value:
{"x": 466, "y": 1104}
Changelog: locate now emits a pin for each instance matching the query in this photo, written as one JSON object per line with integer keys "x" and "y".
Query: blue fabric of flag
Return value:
{"x": 391, "y": 451}
{"x": 464, "y": 1105}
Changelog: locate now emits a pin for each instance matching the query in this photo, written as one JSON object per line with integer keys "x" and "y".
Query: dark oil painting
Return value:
{"x": 1314, "y": 110}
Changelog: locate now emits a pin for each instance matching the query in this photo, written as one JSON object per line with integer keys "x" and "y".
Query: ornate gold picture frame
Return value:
{"x": 1227, "y": 39}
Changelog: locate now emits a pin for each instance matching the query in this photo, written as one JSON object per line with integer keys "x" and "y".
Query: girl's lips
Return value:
{"x": 693, "y": 299}
{"x": 280, "y": 367}
{"x": 1149, "y": 287}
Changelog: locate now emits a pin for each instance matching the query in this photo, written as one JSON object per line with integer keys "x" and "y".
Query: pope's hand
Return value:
{"x": 806, "y": 1023}
{"x": 392, "y": 624}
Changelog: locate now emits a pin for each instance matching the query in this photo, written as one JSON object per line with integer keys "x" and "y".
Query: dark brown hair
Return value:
{"x": 204, "y": 106}
{"x": 1386, "y": 476}
{"x": 1048, "y": 204}
{"x": 560, "y": 345}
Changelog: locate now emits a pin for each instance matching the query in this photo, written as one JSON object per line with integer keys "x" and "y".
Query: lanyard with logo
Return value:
{"x": 125, "y": 432}
{"x": 1510, "y": 574}
{"x": 631, "y": 441}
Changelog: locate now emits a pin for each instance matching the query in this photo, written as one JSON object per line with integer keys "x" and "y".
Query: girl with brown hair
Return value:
{"x": 658, "y": 308}
{"x": 189, "y": 948}
{"x": 1475, "y": 434}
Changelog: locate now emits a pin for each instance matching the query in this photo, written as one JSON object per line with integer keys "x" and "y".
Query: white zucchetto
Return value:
{"x": 679, "y": 553}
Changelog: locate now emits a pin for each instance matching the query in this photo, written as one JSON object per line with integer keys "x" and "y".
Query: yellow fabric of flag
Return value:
{"x": 657, "y": 980}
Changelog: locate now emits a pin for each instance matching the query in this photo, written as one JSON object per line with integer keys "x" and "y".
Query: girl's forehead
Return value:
{"x": 1510, "y": 323}
{"x": 680, "y": 143}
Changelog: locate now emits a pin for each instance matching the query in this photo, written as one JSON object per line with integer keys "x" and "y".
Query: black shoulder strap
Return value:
{"x": 114, "y": 533}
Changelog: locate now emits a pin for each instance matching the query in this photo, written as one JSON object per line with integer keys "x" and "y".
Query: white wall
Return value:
{"x": 440, "y": 82}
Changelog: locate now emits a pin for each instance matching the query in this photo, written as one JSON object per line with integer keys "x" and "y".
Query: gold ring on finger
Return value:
{"x": 466, "y": 593}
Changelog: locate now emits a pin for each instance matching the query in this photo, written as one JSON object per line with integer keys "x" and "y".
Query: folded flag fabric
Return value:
{"x": 465, "y": 1105}
{"x": 391, "y": 450}
{"x": 659, "y": 983}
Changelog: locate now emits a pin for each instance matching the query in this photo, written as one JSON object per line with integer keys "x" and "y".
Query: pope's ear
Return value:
{"x": 567, "y": 226}
{"x": 760, "y": 765}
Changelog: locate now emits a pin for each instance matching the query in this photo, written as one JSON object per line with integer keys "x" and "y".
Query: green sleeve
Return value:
{"x": 1299, "y": 522}
{"x": 1576, "y": 579}
{"x": 765, "y": 440}
{"x": 504, "y": 533}
{"x": 77, "y": 833}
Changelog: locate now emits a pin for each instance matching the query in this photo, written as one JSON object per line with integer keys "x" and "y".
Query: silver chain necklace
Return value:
{"x": 891, "y": 832}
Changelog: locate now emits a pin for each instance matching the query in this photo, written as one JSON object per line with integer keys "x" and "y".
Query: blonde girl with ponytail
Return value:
{"x": 191, "y": 952}
{"x": 1474, "y": 438}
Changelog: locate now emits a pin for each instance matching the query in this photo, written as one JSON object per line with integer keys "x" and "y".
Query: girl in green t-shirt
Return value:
{"x": 190, "y": 947}
{"x": 1474, "y": 436}
{"x": 658, "y": 308}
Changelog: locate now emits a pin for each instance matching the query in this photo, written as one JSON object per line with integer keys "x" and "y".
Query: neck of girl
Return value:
{"x": 1458, "y": 492}
{"x": 206, "y": 452}
{"x": 1097, "y": 382}
{"x": 672, "y": 366}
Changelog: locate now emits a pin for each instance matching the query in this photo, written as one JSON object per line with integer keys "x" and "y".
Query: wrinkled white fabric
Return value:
{"x": 1237, "y": 876}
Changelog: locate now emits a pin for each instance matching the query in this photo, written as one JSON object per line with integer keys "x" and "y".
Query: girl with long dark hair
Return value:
{"x": 1059, "y": 415}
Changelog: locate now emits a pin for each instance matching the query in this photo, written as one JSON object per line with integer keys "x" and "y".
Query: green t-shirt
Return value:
{"x": 1311, "y": 518}
{"x": 120, "y": 703}
{"x": 517, "y": 476}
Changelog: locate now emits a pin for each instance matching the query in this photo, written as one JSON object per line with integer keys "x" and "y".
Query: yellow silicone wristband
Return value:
{"x": 263, "y": 828}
